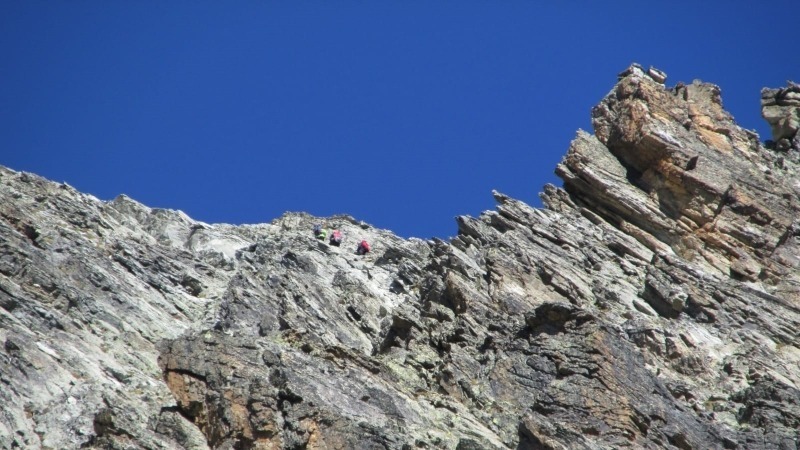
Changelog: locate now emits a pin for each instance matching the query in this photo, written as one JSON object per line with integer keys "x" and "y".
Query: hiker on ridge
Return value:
{"x": 363, "y": 248}
{"x": 320, "y": 233}
{"x": 336, "y": 238}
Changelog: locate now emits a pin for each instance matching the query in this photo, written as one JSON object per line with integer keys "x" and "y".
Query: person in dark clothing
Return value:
{"x": 320, "y": 233}
{"x": 363, "y": 248}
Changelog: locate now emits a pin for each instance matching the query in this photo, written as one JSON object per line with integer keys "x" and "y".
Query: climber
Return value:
{"x": 320, "y": 233}
{"x": 363, "y": 248}
{"x": 336, "y": 238}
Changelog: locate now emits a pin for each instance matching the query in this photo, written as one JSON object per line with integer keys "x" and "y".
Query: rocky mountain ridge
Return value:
{"x": 654, "y": 302}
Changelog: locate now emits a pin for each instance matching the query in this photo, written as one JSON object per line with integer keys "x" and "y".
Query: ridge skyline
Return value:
{"x": 401, "y": 116}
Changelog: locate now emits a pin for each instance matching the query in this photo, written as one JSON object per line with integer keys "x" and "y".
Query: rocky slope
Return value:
{"x": 653, "y": 303}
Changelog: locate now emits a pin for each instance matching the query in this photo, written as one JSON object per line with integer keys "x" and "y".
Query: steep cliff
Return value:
{"x": 654, "y": 302}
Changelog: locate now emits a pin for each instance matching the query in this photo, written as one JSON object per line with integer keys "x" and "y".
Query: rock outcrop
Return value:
{"x": 654, "y": 302}
{"x": 781, "y": 109}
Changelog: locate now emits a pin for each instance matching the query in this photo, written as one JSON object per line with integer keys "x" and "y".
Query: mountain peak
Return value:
{"x": 652, "y": 303}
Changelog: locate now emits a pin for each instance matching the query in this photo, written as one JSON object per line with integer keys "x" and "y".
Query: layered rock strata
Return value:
{"x": 652, "y": 303}
{"x": 781, "y": 109}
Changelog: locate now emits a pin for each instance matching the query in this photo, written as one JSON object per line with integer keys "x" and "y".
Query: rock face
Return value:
{"x": 653, "y": 303}
{"x": 781, "y": 109}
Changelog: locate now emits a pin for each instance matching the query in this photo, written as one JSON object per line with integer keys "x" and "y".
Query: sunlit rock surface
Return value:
{"x": 653, "y": 303}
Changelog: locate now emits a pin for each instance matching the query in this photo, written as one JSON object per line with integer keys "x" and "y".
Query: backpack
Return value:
{"x": 365, "y": 245}
{"x": 317, "y": 229}
{"x": 336, "y": 236}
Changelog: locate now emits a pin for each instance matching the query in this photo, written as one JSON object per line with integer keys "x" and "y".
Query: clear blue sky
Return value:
{"x": 402, "y": 114}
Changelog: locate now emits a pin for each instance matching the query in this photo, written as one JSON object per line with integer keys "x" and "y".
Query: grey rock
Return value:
{"x": 781, "y": 109}
{"x": 657, "y": 75}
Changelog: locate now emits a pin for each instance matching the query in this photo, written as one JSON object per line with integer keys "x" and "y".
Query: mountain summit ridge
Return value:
{"x": 654, "y": 302}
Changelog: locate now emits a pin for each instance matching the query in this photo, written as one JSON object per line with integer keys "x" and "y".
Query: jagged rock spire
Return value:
{"x": 781, "y": 109}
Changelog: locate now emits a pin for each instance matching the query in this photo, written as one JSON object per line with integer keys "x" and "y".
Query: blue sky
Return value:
{"x": 402, "y": 114}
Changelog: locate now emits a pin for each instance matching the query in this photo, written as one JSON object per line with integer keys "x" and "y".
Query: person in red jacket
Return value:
{"x": 363, "y": 248}
{"x": 336, "y": 238}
